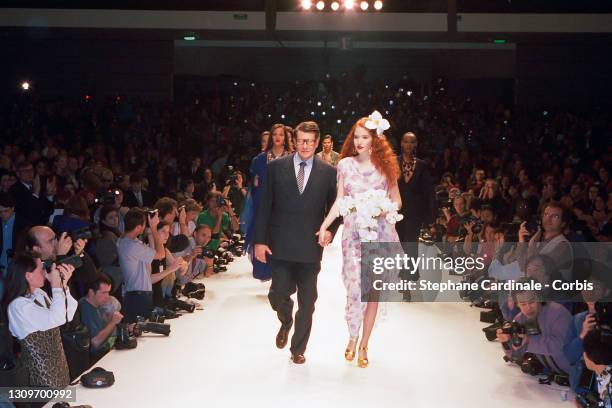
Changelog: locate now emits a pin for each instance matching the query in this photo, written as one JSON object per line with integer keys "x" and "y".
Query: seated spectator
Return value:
{"x": 598, "y": 358}
{"x": 220, "y": 217}
{"x": 135, "y": 260}
{"x": 136, "y": 195}
{"x": 102, "y": 333}
{"x": 553, "y": 321}
{"x": 34, "y": 318}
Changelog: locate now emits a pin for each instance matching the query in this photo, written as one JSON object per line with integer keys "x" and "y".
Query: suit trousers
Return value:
{"x": 287, "y": 278}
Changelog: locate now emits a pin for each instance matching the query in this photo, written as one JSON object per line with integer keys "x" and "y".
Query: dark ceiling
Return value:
{"x": 437, "y": 6}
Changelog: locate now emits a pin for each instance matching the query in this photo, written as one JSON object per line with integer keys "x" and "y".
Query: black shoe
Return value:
{"x": 298, "y": 358}
{"x": 282, "y": 337}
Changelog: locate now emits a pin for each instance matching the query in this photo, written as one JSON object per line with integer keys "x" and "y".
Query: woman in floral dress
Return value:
{"x": 367, "y": 162}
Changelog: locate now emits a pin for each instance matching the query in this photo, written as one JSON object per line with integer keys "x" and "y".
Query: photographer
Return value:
{"x": 454, "y": 220}
{"x": 135, "y": 260}
{"x": 219, "y": 217}
{"x": 486, "y": 245}
{"x": 235, "y": 192}
{"x": 106, "y": 245}
{"x": 198, "y": 262}
{"x": 552, "y": 321}
{"x": 549, "y": 240}
{"x": 163, "y": 270}
{"x": 35, "y": 319}
{"x": 598, "y": 358}
{"x": 44, "y": 241}
{"x": 167, "y": 208}
{"x": 186, "y": 218}
{"x": 101, "y": 332}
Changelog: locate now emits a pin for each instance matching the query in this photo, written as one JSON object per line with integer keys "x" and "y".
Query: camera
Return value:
{"x": 514, "y": 329}
{"x": 107, "y": 197}
{"x": 124, "y": 339}
{"x": 194, "y": 290}
{"x": 221, "y": 202}
{"x": 511, "y": 230}
{"x": 531, "y": 365}
{"x": 206, "y": 253}
{"x": 81, "y": 233}
{"x": 476, "y": 228}
{"x": 74, "y": 260}
{"x": 145, "y": 326}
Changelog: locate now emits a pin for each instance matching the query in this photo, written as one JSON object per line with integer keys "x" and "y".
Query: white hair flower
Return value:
{"x": 376, "y": 122}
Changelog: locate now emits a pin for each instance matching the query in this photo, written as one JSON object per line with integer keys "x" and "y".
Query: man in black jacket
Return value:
{"x": 13, "y": 226}
{"x": 298, "y": 192}
{"x": 29, "y": 202}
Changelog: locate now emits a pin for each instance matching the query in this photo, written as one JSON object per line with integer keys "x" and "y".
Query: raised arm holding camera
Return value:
{"x": 35, "y": 318}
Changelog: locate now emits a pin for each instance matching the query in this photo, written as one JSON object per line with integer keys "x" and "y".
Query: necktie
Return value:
{"x": 300, "y": 177}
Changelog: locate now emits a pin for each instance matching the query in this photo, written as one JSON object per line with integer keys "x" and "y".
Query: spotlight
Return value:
{"x": 364, "y": 5}
{"x": 25, "y": 85}
{"x": 349, "y": 4}
{"x": 335, "y": 6}
{"x": 378, "y": 5}
{"x": 306, "y": 4}
{"x": 320, "y": 5}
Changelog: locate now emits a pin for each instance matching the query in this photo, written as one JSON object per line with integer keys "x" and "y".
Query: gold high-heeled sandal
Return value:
{"x": 348, "y": 354}
{"x": 363, "y": 362}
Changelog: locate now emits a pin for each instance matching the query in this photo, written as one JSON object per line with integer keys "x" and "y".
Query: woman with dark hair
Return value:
{"x": 106, "y": 245}
{"x": 367, "y": 162}
{"x": 278, "y": 146}
{"x": 34, "y": 318}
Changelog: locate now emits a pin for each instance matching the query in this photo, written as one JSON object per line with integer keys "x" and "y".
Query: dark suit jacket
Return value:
{"x": 129, "y": 199}
{"x": 35, "y": 210}
{"x": 287, "y": 221}
{"x": 418, "y": 202}
{"x": 20, "y": 226}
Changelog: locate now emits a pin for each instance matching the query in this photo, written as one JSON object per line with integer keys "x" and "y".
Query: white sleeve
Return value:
{"x": 27, "y": 317}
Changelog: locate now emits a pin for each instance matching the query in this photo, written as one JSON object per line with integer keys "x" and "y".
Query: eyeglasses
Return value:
{"x": 306, "y": 141}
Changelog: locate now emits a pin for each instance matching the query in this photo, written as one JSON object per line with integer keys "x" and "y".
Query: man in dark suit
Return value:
{"x": 136, "y": 196}
{"x": 13, "y": 226}
{"x": 195, "y": 171}
{"x": 27, "y": 194}
{"x": 298, "y": 192}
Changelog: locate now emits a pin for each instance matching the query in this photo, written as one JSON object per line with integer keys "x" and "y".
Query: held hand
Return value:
{"x": 64, "y": 244}
{"x": 197, "y": 251}
{"x": 260, "y": 252}
{"x": 325, "y": 237}
{"x": 536, "y": 236}
{"x": 525, "y": 339}
{"x": 468, "y": 227}
{"x": 182, "y": 216}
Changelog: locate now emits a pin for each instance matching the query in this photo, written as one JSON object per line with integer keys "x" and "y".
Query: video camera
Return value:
{"x": 125, "y": 340}
{"x": 145, "y": 326}
{"x": 107, "y": 197}
{"x": 83, "y": 233}
{"x": 74, "y": 260}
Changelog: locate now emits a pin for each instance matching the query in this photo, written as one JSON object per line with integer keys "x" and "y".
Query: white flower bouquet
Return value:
{"x": 369, "y": 206}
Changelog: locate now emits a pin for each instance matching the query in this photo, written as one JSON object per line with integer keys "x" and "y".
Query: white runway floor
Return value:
{"x": 422, "y": 355}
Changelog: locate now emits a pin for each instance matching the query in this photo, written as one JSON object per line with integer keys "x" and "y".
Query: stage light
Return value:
{"x": 190, "y": 37}
{"x": 320, "y": 5}
{"x": 306, "y": 4}
{"x": 378, "y": 5}
{"x": 25, "y": 85}
{"x": 364, "y": 5}
{"x": 334, "y": 6}
{"x": 339, "y": 121}
{"x": 349, "y": 4}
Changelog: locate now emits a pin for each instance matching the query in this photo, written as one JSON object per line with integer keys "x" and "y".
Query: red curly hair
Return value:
{"x": 383, "y": 157}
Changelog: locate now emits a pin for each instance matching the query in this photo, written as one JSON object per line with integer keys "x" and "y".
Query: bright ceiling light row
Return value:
{"x": 335, "y": 5}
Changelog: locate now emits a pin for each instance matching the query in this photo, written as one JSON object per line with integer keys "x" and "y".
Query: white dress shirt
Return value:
{"x": 307, "y": 169}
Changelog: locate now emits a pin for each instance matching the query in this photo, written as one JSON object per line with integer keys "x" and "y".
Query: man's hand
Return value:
{"x": 260, "y": 252}
{"x": 325, "y": 237}
{"x": 536, "y": 237}
{"x": 522, "y": 232}
{"x": 64, "y": 243}
{"x": 65, "y": 273}
{"x": 79, "y": 246}
{"x": 589, "y": 324}
{"x": 154, "y": 221}
{"x": 182, "y": 216}
{"x": 197, "y": 251}
{"x": 504, "y": 338}
{"x": 116, "y": 318}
